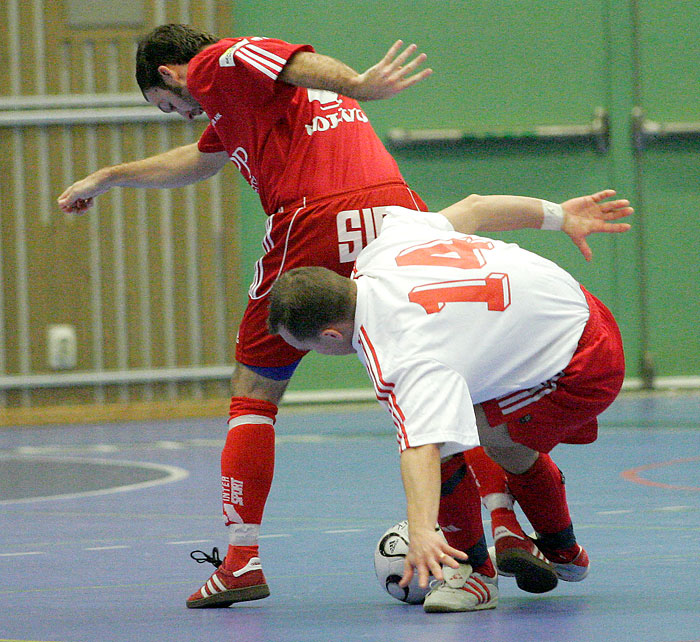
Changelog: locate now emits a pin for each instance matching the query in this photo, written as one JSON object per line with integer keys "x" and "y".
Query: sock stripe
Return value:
{"x": 249, "y": 419}
{"x": 243, "y": 534}
{"x": 493, "y": 501}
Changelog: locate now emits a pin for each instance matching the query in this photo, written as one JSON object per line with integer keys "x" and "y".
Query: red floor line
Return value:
{"x": 633, "y": 474}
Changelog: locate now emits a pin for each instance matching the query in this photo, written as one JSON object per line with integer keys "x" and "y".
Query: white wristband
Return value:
{"x": 553, "y": 216}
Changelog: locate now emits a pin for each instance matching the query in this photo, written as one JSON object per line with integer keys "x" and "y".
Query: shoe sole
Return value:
{"x": 531, "y": 574}
{"x": 438, "y": 608}
{"x": 565, "y": 573}
{"x": 226, "y": 598}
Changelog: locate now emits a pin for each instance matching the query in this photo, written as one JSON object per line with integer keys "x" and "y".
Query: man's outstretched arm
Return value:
{"x": 174, "y": 168}
{"x": 391, "y": 75}
{"x": 578, "y": 217}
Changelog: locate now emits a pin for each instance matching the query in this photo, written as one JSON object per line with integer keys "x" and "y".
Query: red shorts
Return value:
{"x": 328, "y": 232}
{"x": 565, "y": 408}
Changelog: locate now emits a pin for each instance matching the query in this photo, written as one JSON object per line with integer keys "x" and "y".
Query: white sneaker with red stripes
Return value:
{"x": 462, "y": 590}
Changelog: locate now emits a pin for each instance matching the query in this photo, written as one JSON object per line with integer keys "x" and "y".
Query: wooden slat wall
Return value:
{"x": 148, "y": 278}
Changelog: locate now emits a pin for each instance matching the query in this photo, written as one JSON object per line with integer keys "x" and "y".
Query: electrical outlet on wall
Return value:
{"x": 62, "y": 347}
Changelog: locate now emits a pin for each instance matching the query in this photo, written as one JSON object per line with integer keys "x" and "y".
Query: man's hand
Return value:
{"x": 391, "y": 75}
{"x": 79, "y": 197}
{"x": 427, "y": 552}
{"x": 586, "y": 215}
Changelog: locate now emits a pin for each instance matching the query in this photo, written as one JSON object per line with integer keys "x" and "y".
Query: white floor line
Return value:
{"x": 191, "y": 541}
{"x": 171, "y": 474}
{"x": 104, "y": 548}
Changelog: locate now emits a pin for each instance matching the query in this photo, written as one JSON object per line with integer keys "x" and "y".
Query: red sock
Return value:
{"x": 247, "y": 466}
{"x": 460, "y": 506}
{"x": 506, "y": 518}
{"x": 490, "y": 477}
{"x": 493, "y": 489}
{"x": 541, "y": 494}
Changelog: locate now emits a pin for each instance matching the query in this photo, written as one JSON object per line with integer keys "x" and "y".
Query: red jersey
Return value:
{"x": 289, "y": 143}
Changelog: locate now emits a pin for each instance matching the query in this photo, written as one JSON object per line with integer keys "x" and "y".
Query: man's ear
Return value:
{"x": 165, "y": 72}
{"x": 169, "y": 75}
{"x": 332, "y": 333}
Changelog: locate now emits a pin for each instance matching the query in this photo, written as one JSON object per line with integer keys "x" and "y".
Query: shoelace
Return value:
{"x": 212, "y": 559}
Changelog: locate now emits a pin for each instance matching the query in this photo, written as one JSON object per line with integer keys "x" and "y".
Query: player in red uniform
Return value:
{"x": 470, "y": 340}
{"x": 289, "y": 119}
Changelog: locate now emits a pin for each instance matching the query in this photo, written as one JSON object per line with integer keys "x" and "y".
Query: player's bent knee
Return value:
{"x": 248, "y": 383}
{"x": 517, "y": 459}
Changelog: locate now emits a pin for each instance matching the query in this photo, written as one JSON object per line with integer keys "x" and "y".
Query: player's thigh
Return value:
{"x": 491, "y": 436}
{"x": 498, "y": 444}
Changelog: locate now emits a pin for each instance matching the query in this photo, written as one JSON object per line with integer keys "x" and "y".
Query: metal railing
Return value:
{"x": 83, "y": 109}
{"x": 596, "y": 133}
{"x": 645, "y": 132}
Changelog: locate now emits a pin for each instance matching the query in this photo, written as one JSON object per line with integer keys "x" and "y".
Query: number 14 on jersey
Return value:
{"x": 494, "y": 289}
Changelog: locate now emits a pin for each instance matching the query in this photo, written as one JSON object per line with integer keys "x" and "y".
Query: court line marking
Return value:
{"x": 172, "y": 474}
{"x": 632, "y": 474}
{"x": 625, "y": 511}
{"x": 105, "y": 548}
{"x": 13, "y": 640}
{"x": 274, "y": 535}
{"x": 103, "y": 587}
{"x": 180, "y": 444}
{"x": 191, "y": 541}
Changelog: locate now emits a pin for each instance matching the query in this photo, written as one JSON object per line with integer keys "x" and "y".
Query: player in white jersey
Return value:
{"x": 403, "y": 282}
{"x": 470, "y": 341}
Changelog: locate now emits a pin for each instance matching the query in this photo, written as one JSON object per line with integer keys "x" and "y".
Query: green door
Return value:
{"x": 667, "y": 168}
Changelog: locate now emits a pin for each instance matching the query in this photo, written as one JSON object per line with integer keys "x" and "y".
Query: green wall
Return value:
{"x": 515, "y": 65}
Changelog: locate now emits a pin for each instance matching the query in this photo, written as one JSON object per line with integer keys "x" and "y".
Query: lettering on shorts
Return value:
{"x": 356, "y": 230}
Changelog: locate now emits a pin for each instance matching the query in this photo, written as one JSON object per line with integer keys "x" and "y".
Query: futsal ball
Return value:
{"x": 389, "y": 556}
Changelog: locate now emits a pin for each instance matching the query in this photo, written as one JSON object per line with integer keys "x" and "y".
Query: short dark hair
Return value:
{"x": 306, "y": 300}
{"x": 171, "y": 44}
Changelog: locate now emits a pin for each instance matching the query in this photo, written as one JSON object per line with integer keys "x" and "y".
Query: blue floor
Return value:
{"x": 93, "y": 564}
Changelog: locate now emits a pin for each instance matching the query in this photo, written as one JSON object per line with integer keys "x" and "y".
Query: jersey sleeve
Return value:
{"x": 209, "y": 142}
{"x": 429, "y": 403}
{"x": 253, "y": 66}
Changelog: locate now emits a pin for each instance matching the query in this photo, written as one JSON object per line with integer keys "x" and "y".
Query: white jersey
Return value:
{"x": 445, "y": 320}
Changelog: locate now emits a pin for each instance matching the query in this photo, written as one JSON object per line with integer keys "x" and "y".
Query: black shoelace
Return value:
{"x": 201, "y": 557}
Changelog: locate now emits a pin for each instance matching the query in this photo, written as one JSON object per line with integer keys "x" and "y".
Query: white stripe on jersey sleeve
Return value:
{"x": 270, "y": 74}
{"x": 268, "y": 54}
{"x": 261, "y": 59}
